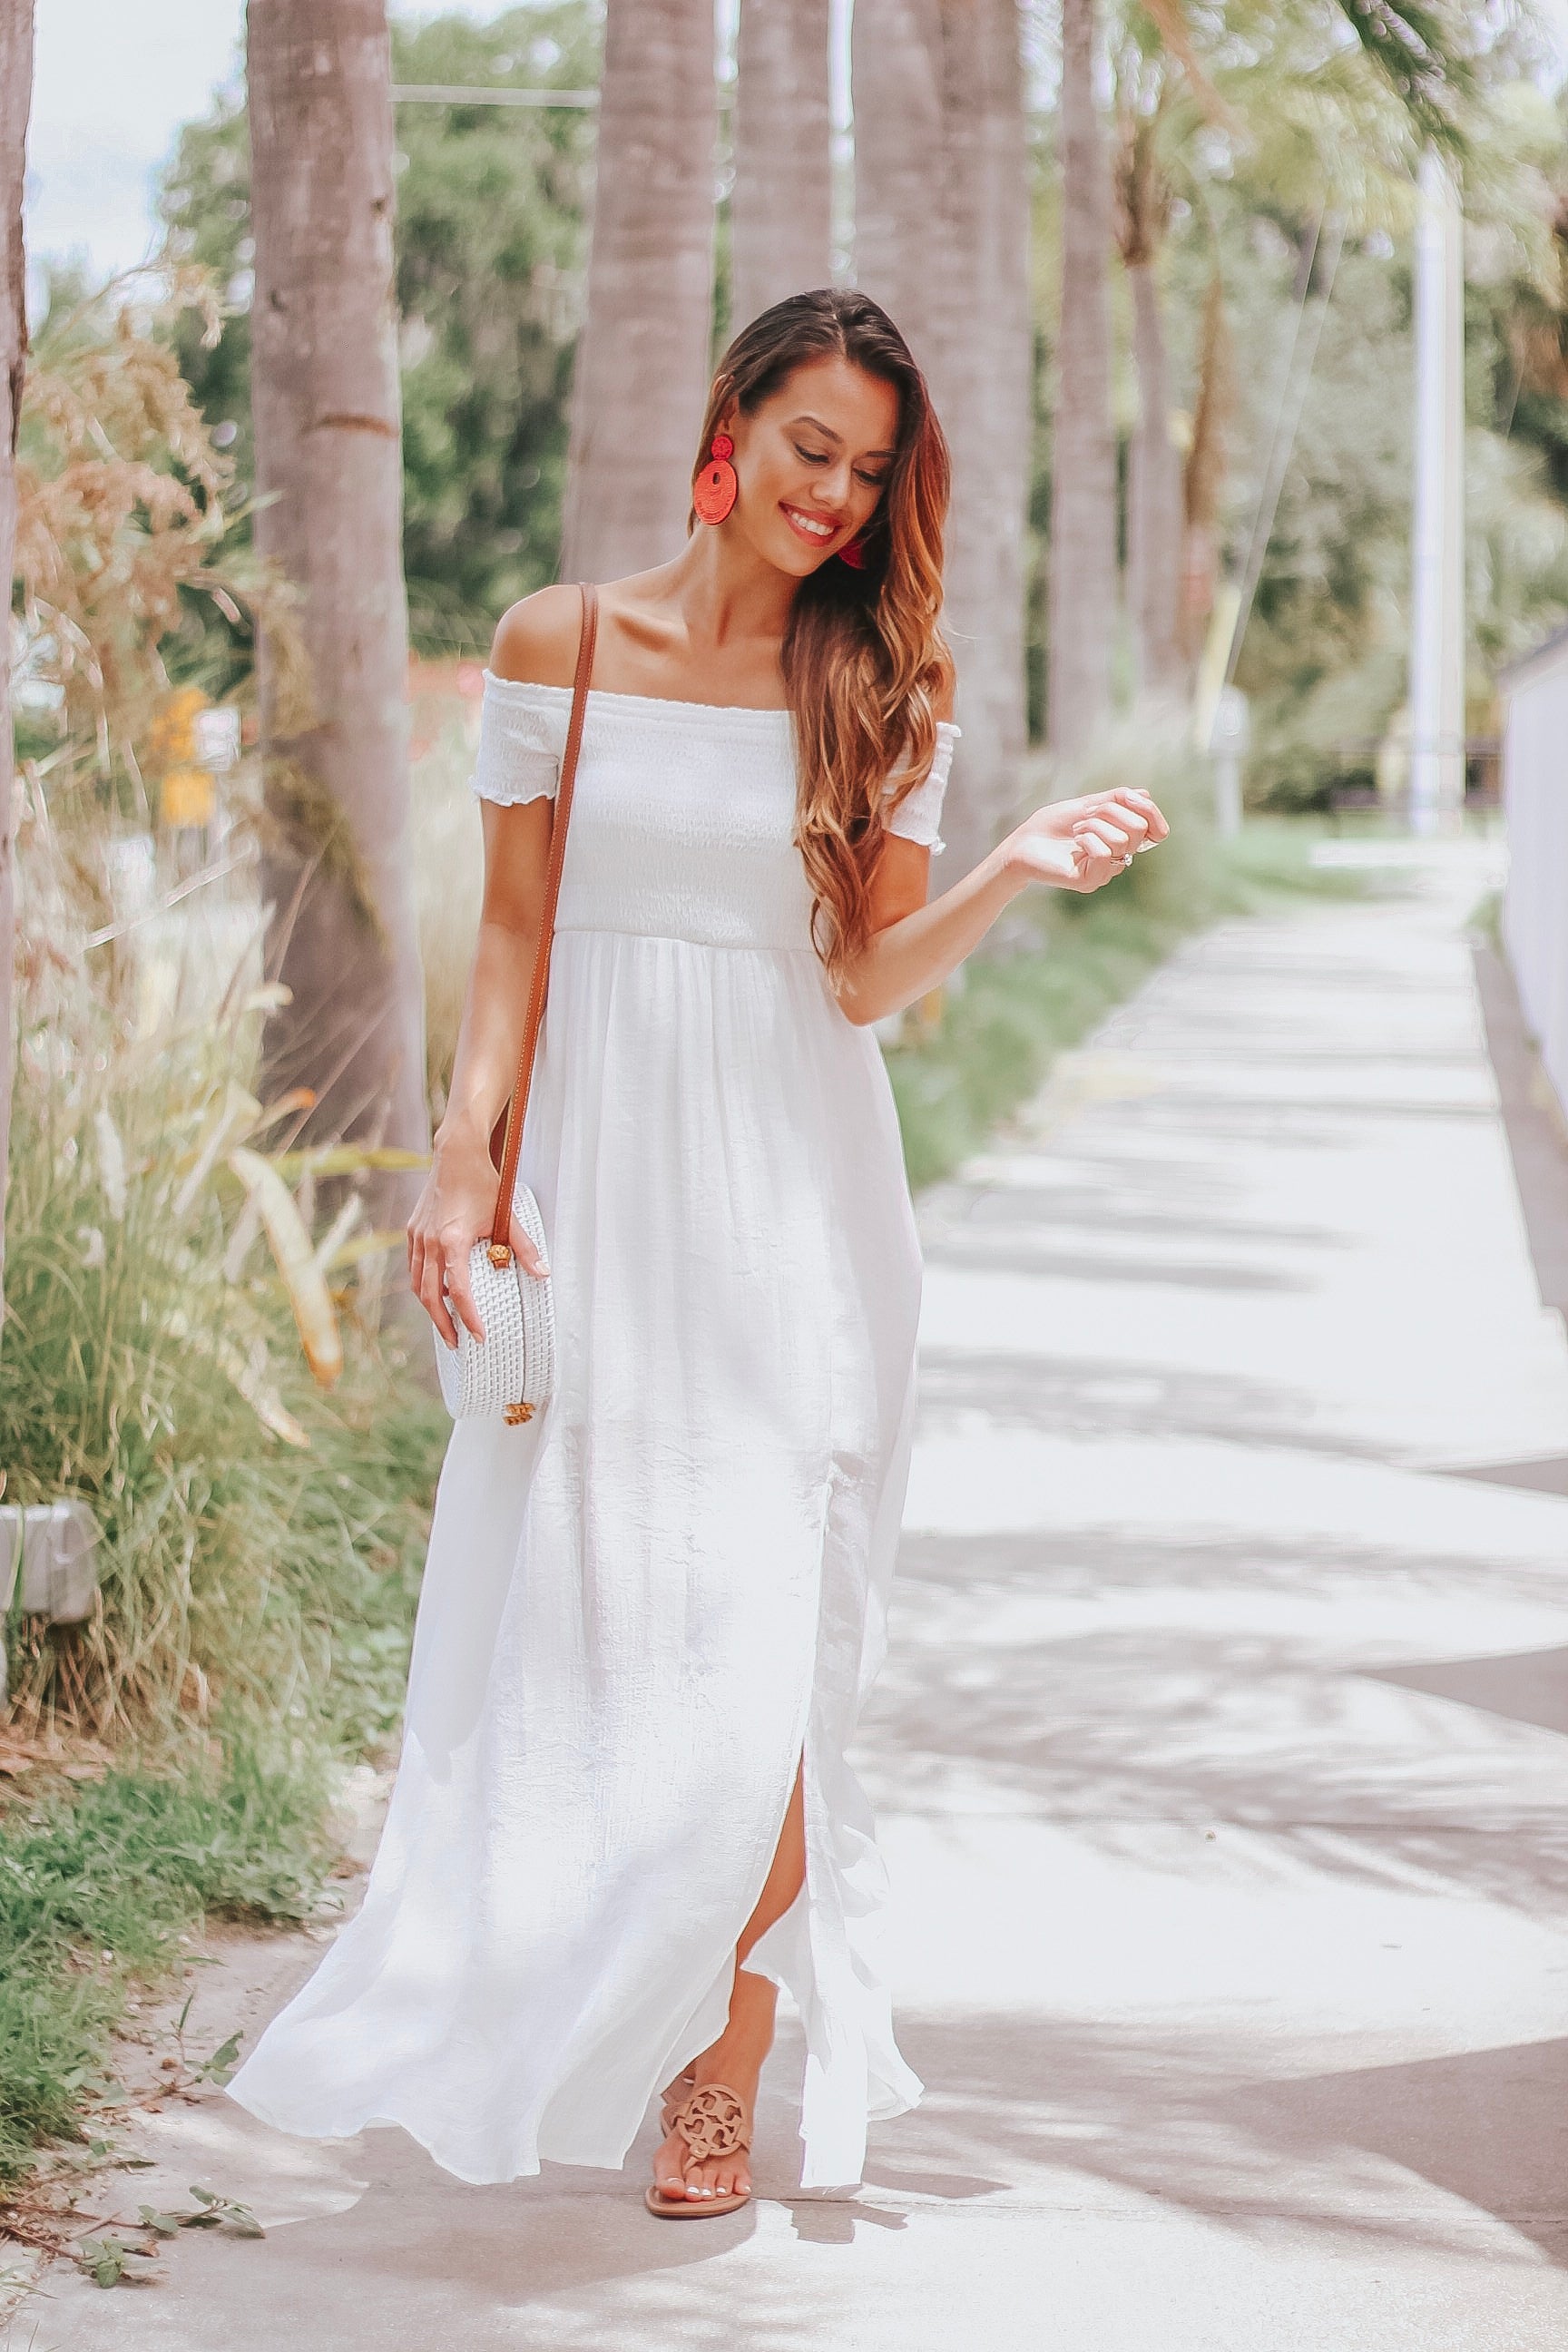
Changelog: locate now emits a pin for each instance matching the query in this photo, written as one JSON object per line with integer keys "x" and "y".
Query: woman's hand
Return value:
{"x": 1082, "y": 844}
{"x": 455, "y": 1211}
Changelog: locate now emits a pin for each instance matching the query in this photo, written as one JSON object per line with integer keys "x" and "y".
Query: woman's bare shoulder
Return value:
{"x": 536, "y": 638}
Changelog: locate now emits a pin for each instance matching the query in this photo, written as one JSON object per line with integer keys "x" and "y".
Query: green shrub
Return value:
{"x": 261, "y": 1532}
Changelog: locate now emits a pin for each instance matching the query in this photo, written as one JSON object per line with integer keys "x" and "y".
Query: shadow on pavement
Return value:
{"x": 1101, "y": 2110}
{"x": 1078, "y": 1395}
{"x": 1547, "y": 1474}
{"x": 1525, "y": 1687}
{"x": 1355, "y": 1768}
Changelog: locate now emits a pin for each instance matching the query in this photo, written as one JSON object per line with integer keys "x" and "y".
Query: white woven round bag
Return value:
{"x": 511, "y": 1372}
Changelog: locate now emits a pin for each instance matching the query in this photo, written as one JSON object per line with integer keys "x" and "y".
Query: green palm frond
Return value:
{"x": 1422, "y": 53}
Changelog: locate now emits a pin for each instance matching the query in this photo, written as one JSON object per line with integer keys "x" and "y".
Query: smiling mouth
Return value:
{"x": 812, "y": 528}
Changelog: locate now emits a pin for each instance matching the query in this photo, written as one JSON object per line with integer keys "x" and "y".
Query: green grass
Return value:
{"x": 1486, "y": 921}
{"x": 96, "y": 1889}
{"x": 230, "y": 1815}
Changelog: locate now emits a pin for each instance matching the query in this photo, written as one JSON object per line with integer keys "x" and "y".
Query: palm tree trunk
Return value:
{"x": 1082, "y": 583}
{"x": 781, "y": 212}
{"x": 900, "y": 193}
{"x": 1202, "y": 473}
{"x": 337, "y": 867}
{"x": 984, "y": 385}
{"x": 942, "y": 240}
{"x": 643, "y": 355}
{"x": 16, "y": 100}
{"x": 1155, "y": 521}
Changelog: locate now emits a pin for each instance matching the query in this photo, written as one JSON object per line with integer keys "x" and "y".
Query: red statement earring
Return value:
{"x": 853, "y": 552}
{"x": 714, "y": 492}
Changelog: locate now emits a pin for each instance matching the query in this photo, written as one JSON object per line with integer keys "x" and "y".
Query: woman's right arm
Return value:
{"x": 535, "y": 642}
{"x": 457, "y": 1203}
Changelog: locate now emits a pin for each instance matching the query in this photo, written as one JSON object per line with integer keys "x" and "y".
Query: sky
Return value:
{"x": 114, "y": 81}
{"x": 111, "y": 84}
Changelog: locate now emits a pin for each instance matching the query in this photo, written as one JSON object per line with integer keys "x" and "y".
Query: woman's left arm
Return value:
{"x": 1077, "y": 844}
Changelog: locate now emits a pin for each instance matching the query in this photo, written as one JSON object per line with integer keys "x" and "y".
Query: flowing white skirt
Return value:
{"x": 641, "y": 1609}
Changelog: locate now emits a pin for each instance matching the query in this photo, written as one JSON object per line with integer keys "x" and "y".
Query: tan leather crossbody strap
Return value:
{"x": 500, "y": 1230}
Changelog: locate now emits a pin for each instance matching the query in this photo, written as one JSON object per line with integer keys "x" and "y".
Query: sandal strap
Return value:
{"x": 712, "y": 2122}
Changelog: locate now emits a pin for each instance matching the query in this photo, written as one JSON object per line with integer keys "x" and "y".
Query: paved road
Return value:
{"x": 1220, "y": 1760}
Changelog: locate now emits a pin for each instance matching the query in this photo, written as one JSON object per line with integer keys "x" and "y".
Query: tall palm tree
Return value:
{"x": 16, "y": 100}
{"x": 644, "y": 352}
{"x": 942, "y": 240}
{"x": 1081, "y": 584}
{"x": 781, "y": 214}
{"x": 1155, "y": 519}
{"x": 901, "y": 244}
{"x": 985, "y": 377}
{"x": 1202, "y": 473}
{"x": 337, "y": 867}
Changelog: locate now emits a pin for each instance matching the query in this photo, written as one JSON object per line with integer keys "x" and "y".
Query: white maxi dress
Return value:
{"x": 643, "y": 1608}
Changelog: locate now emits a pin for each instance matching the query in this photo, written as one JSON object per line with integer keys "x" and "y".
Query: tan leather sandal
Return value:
{"x": 712, "y": 2122}
{"x": 672, "y": 2095}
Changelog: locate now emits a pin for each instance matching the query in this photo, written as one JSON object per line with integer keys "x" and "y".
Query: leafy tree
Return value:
{"x": 1516, "y": 356}
{"x": 1326, "y": 649}
{"x": 1325, "y": 653}
{"x": 491, "y": 233}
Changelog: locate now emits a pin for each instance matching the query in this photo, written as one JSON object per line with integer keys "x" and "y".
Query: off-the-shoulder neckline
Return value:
{"x": 662, "y": 701}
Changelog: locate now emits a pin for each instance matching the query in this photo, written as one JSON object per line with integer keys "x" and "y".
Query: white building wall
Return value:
{"x": 1535, "y": 898}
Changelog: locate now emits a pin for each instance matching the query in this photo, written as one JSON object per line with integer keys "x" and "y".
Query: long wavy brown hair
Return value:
{"x": 864, "y": 662}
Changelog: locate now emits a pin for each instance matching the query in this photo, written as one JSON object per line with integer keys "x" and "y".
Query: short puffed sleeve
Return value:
{"x": 917, "y": 816}
{"x": 523, "y": 734}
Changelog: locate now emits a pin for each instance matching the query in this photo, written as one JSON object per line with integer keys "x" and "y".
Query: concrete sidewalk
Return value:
{"x": 1220, "y": 1761}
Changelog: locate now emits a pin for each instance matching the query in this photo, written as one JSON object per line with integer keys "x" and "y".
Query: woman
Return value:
{"x": 622, "y": 1814}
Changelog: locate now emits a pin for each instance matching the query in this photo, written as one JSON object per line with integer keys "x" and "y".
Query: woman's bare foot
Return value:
{"x": 735, "y": 2059}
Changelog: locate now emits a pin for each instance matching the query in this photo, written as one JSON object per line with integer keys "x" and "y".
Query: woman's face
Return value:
{"x": 812, "y": 463}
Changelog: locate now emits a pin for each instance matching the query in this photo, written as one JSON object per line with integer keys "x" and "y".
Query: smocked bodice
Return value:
{"x": 682, "y": 816}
